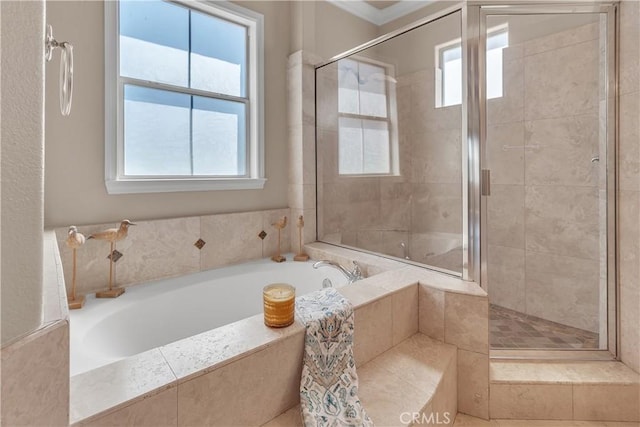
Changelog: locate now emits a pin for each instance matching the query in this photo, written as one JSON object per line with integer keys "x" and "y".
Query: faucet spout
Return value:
{"x": 352, "y": 276}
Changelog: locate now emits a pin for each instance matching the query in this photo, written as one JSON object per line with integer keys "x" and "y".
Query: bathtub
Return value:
{"x": 157, "y": 313}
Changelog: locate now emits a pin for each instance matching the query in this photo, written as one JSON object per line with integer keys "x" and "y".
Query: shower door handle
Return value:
{"x": 485, "y": 182}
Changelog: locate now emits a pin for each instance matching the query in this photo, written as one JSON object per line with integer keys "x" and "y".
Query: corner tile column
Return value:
{"x": 302, "y": 144}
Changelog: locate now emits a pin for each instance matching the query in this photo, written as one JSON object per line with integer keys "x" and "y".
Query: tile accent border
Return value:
{"x": 158, "y": 249}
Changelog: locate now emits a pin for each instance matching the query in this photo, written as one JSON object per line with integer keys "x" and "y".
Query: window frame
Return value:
{"x": 391, "y": 119}
{"x": 115, "y": 180}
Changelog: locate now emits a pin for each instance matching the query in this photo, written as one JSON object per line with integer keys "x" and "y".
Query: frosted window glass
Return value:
{"x": 154, "y": 42}
{"x": 363, "y": 147}
{"x": 218, "y": 137}
{"x": 348, "y": 87}
{"x": 375, "y": 147}
{"x": 350, "y": 146}
{"x": 218, "y": 55}
{"x": 373, "y": 91}
{"x": 156, "y": 132}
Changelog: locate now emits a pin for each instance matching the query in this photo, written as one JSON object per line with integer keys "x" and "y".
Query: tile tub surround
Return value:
{"x": 256, "y": 360}
{"x": 598, "y": 390}
{"x": 164, "y": 248}
{"x": 35, "y": 368}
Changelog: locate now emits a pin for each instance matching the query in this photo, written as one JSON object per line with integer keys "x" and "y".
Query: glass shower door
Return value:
{"x": 547, "y": 146}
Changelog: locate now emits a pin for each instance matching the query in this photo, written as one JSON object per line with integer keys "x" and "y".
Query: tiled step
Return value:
{"x": 595, "y": 391}
{"x": 415, "y": 379}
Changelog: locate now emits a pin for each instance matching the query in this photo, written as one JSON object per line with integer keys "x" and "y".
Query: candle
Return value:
{"x": 279, "y": 304}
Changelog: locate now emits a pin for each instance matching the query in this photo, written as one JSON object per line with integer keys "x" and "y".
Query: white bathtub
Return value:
{"x": 163, "y": 311}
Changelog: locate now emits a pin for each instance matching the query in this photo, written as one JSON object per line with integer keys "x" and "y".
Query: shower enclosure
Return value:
{"x": 480, "y": 142}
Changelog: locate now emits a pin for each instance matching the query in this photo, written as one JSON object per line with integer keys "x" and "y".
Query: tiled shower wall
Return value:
{"x": 422, "y": 205}
{"x": 629, "y": 188}
{"x": 543, "y": 212}
{"x": 167, "y": 248}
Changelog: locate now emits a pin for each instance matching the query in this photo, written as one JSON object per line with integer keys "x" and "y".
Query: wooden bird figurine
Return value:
{"x": 112, "y": 235}
{"x": 280, "y": 224}
{"x": 301, "y": 256}
{"x": 74, "y": 241}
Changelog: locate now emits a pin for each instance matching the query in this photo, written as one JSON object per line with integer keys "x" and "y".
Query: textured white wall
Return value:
{"x": 22, "y": 163}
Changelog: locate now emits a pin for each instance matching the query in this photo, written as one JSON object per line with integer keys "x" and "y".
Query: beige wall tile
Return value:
{"x": 507, "y": 277}
{"x": 249, "y": 391}
{"x": 505, "y": 155}
{"x": 563, "y": 289}
{"x": 385, "y": 398}
{"x": 606, "y": 402}
{"x": 231, "y": 238}
{"x": 561, "y": 39}
{"x": 562, "y": 82}
{"x": 431, "y": 310}
{"x": 562, "y": 220}
{"x": 437, "y": 207}
{"x": 551, "y": 402}
{"x": 466, "y": 322}
{"x": 629, "y": 55}
{"x": 35, "y": 378}
{"x": 159, "y": 410}
{"x": 156, "y": 249}
{"x": 629, "y": 333}
{"x": 566, "y": 146}
{"x": 373, "y": 332}
{"x": 294, "y": 94}
{"x": 405, "y": 314}
{"x": 435, "y": 157}
{"x": 629, "y": 129}
{"x": 505, "y": 216}
{"x": 383, "y": 241}
{"x": 473, "y": 383}
{"x": 445, "y": 400}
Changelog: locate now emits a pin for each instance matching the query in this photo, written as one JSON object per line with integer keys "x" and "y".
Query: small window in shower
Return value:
{"x": 364, "y": 117}
{"x": 449, "y": 68}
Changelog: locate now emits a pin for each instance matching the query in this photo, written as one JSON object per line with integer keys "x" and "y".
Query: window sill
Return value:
{"x": 133, "y": 186}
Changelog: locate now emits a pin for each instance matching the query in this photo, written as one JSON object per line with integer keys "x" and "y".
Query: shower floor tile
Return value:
{"x": 512, "y": 329}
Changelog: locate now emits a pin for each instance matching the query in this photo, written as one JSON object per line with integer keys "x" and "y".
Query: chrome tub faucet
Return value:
{"x": 352, "y": 276}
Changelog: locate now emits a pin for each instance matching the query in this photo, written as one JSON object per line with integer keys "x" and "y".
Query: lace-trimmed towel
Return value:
{"x": 329, "y": 385}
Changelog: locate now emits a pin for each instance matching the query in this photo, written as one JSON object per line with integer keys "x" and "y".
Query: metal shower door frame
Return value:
{"x": 476, "y": 127}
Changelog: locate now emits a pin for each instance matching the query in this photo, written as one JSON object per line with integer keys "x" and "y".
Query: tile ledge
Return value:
{"x": 574, "y": 372}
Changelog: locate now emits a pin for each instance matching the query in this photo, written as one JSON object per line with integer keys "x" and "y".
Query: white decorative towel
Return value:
{"x": 329, "y": 386}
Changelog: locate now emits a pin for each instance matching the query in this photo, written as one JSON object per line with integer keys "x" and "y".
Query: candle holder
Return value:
{"x": 301, "y": 256}
{"x": 279, "y": 305}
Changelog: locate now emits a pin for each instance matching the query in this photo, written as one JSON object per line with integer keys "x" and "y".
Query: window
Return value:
{"x": 365, "y": 109}
{"x": 183, "y": 96}
{"x": 449, "y": 68}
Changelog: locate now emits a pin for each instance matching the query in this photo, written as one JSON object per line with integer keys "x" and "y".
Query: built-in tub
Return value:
{"x": 160, "y": 312}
